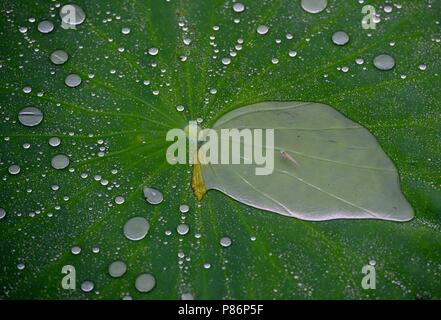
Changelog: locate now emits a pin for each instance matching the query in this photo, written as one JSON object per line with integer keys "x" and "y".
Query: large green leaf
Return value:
{"x": 115, "y": 111}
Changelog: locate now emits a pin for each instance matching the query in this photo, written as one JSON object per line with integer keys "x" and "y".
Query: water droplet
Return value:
{"x": 384, "y": 62}
{"x": 72, "y": 80}
{"x": 314, "y": 6}
{"x": 292, "y": 54}
{"x": 183, "y": 229}
{"x": 21, "y": 266}
{"x": 253, "y": 238}
{"x": 54, "y": 141}
{"x": 422, "y": 67}
{"x": 27, "y": 89}
{"x": 59, "y": 57}
{"x": 388, "y": 9}
{"x": 145, "y": 282}
{"x": 372, "y": 262}
{"x": 187, "y": 296}
{"x": 2, "y": 213}
{"x": 153, "y": 51}
{"x": 60, "y": 161}
{"x": 274, "y": 61}
{"x": 117, "y": 269}
{"x": 72, "y": 14}
{"x": 153, "y": 196}
{"x": 136, "y": 228}
{"x": 207, "y": 266}
{"x": 119, "y": 200}
{"x": 184, "y": 208}
{"x": 359, "y": 61}
{"x": 238, "y": 7}
{"x": 225, "y": 242}
{"x": 187, "y": 41}
{"x": 180, "y": 108}
{"x": 45, "y": 26}
{"x": 75, "y": 250}
{"x": 14, "y": 169}
{"x": 262, "y": 29}
{"x": 226, "y": 61}
{"x": 340, "y": 38}
{"x": 96, "y": 249}
{"x": 30, "y": 116}
{"x": 125, "y": 30}
{"x": 23, "y": 29}
{"x": 87, "y": 286}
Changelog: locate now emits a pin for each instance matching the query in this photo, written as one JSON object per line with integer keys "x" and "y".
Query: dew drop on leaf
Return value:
{"x": 262, "y": 29}
{"x": 145, "y": 282}
{"x": 238, "y": 7}
{"x": 14, "y": 169}
{"x": 119, "y": 199}
{"x": 45, "y": 26}
{"x": 59, "y": 57}
{"x": 183, "y": 229}
{"x": 225, "y": 242}
{"x": 136, "y": 228}
{"x": 384, "y": 62}
{"x": 340, "y": 38}
{"x": 87, "y": 286}
{"x": 153, "y": 51}
{"x": 73, "y": 80}
{"x": 60, "y": 161}
{"x": 184, "y": 208}
{"x": 75, "y": 250}
{"x": 153, "y": 196}
{"x": 54, "y": 141}
{"x": 314, "y": 6}
{"x": 30, "y": 116}
{"x": 117, "y": 269}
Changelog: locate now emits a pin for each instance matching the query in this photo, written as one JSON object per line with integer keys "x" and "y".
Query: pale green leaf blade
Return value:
{"x": 337, "y": 168}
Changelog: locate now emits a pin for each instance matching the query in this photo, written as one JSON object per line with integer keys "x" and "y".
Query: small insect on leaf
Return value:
{"x": 324, "y": 165}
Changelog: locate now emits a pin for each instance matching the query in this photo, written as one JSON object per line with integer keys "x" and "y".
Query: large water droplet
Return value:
{"x": 340, "y": 38}
{"x": 184, "y": 208}
{"x": 45, "y": 26}
{"x": 153, "y": 196}
{"x": 117, "y": 269}
{"x": 136, "y": 228}
{"x": 119, "y": 199}
{"x": 75, "y": 250}
{"x": 153, "y": 51}
{"x": 60, "y": 161}
{"x": 187, "y": 296}
{"x": 87, "y": 286}
{"x": 225, "y": 242}
{"x": 238, "y": 7}
{"x": 314, "y": 6}
{"x": 384, "y": 62}
{"x": 72, "y": 14}
{"x": 72, "y": 80}
{"x": 145, "y": 282}
{"x": 59, "y": 57}
{"x": 30, "y": 116}
{"x": 54, "y": 141}
{"x": 226, "y": 61}
{"x": 183, "y": 229}
{"x": 262, "y": 29}
{"x": 14, "y": 169}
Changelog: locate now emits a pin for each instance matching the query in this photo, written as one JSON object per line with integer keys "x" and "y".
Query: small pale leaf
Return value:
{"x": 325, "y": 166}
